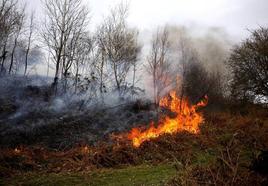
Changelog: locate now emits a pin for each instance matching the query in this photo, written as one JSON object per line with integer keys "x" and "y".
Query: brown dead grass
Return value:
{"x": 221, "y": 154}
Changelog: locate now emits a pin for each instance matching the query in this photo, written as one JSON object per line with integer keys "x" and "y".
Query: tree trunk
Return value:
{"x": 134, "y": 75}
{"x": 3, "y": 58}
{"x": 26, "y": 60}
{"x": 12, "y": 56}
{"x": 116, "y": 78}
{"x": 56, "y": 77}
{"x": 76, "y": 76}
{"x": 101, "y": 75}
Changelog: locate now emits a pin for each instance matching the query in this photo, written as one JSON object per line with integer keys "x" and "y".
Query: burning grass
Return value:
{"x": 224, "y": 151}
{"x": 187, "y": 119}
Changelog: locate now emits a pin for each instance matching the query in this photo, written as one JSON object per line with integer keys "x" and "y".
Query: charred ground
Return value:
{"x": 30, "y": 115}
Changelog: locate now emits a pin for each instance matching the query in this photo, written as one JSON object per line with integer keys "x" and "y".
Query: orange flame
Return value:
{"x": 187, "y": 119}
{"x": 17, "y": 151}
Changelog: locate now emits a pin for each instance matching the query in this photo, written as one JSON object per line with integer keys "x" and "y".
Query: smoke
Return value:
{"x": 211, "y": 45}
{"x": 31, "y": 114}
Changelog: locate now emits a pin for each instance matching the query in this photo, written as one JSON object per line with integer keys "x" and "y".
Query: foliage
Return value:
{"x": 199, "y": 82}
{"x": 249, "y": 65}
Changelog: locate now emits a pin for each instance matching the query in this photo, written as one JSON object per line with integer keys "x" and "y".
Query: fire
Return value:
{"x": 85, "y": 150}
{"x": 187, "y": 119}
{"x": 17, "y": 151}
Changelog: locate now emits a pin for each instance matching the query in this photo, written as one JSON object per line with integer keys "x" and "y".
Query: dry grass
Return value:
{"x": 222, "y": 154}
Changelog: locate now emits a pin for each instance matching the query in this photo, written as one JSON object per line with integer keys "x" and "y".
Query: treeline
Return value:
{"x": 17, "y": 31}
{"x": 110, "y": 59}
{"x": 99, "y": 61}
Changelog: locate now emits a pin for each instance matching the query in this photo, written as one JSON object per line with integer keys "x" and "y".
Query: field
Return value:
{"x": 230, "y": 149}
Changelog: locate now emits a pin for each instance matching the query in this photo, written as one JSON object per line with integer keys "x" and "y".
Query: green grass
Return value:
{"x": 204, "y": 158}
{"x": 140, "y": 175}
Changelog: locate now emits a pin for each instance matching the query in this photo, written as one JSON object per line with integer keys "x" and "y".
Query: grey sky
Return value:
{"x": 235, "y": 16}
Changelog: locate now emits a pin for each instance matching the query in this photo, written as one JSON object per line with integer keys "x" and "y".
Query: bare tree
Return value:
{"x": 100, "y": 63}
{"x": 31, "y": 30}
{"x": 77, "y": 48}
{"x": 17, "y": 33}
{"x": 65, "y": 19}
{"x": 118, "y": 45}
{"x": 82, "y": 61}
{"x": 158, "y": 65}
{"x": 10, "y": 15}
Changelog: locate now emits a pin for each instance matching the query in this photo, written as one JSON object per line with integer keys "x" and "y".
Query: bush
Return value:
{"x": 249, "y": 66}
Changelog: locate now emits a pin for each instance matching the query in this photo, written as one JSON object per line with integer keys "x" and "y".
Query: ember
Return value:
{"x": 85, "y": 150}
{"x": 17, "y": 151}
{"x": 187, "y": 119}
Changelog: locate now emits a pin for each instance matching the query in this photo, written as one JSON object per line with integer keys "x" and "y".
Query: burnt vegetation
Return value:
{"x": 69, "y": 97}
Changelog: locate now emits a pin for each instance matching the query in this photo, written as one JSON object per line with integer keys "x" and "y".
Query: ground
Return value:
{"x": 230, "y": 149}
{"x": 139, "y": 175}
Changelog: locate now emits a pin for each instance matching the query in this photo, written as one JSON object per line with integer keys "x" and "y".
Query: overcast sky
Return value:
{"x": 235, "y": 16}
